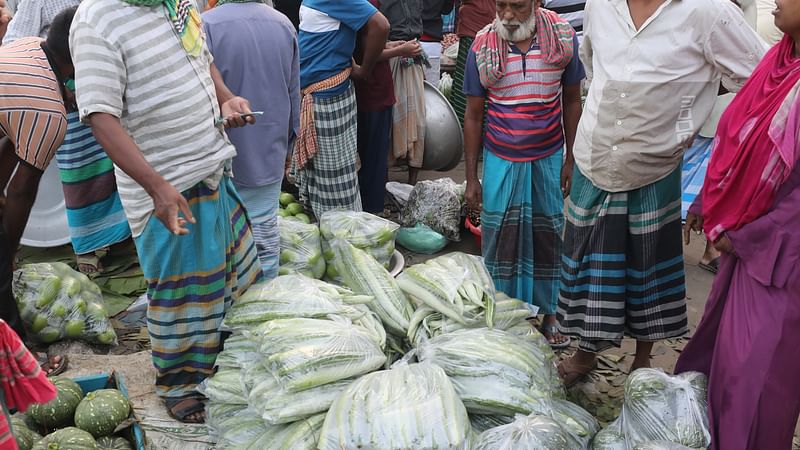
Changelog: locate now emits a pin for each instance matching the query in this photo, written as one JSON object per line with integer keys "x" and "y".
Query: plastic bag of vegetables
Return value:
{"x": 364, "y": 275}
{"x": 533, "y": 432}
{"x": 446, "y": 85}
{"x": 300, "y": 435}
{"x": 456, "y": 285}
{"x": 437, "y": 204}
{"x": 293, "y": 296}
{"x": 578, "y": 424}
{"x": 660, "y": 407}
{"x": 301, "y": 249}
{"x": 493, "y": 371}
{"x": 306, "y": 353}
{"x": 365, "y": 231}
{"x": 56, "y": 303}
{"x": 411, "y": 406}
{"x": 277, "y": 406}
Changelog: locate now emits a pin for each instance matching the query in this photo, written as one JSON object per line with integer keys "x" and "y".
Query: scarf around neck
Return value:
{"x": 756, "y": 146}
{"x": 185, "y": 19}
{"x": 553, "y": 34}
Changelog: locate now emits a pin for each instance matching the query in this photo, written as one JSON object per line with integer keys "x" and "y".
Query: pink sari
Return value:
{"x": 756, "y": 146}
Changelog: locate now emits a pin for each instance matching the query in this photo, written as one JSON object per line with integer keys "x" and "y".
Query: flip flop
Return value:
{"x": 570, "y": 373}
{"x": 711, "y": 266}
{"x": 551, "y": 330}
{"x": 181, "y": 409}
{"x": 47, "y": 365}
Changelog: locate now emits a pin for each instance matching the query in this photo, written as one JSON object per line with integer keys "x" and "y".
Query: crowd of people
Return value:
{"x": 598, "y": 136}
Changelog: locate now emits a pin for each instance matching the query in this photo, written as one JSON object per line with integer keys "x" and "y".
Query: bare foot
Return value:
{"x": 550, "y": 331}
{"x": 187, "y": 410}
{"x": 575, "y": 368}
{"x": 640, "y": 364}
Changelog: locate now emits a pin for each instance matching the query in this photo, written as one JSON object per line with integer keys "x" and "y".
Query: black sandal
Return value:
{"x": 550, "y": 331}
{"x": 181, "y": 409}
{"x": 47, "y": 365}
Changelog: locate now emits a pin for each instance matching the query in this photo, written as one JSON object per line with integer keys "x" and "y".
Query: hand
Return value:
{"x": 474, "y": 196}
{"x": 693, "y": 223}
{"x": 566, "y": 176}
{"x": 724, "y": 245}
{"x": 232, "y": 109}
{"x": 287, "y": 171}
{"x": 170, "y": 205}
{"x": 5, "y": 18}
{"x": 357, "y": 72}
{"x": 410, "y": 49}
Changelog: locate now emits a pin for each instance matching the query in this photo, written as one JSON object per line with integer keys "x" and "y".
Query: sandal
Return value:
{"x": 550, "y": 331}
{"x": 571, "y": 373}
{"x": 89, "y": 263}
{"x": 711, "y": 266}
{"x": 47, "y": 365}
{"x": 181, "y": 410}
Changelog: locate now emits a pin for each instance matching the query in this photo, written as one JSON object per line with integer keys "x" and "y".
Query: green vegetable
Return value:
{"x": 102, "y": 411}
{"x": 39, "y": 323}
{"x": 286, "y": 199}
{"x": 303, "y": 217}
{"x": 282, "y": 213}
{"x": 70, "y": 438}
{"x": 58, "y": 412}
{"x": 48, "y": 291}
{"x": 75, "y": 328}
{"x": 24, "y": 436}
{"x": 48, "y": 335}
{"x": 294, "y": 209}
{"x": 534, "y": 432}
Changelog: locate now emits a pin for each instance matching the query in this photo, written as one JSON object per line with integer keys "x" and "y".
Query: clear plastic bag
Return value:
{"x": 56, "y": 303}
{"x": 300, "y": 435}
{"x": 578, "y": 424}
{"x": 364, "y": 275}
{"x": 277, "y": 406}
{"x": 365, "y": 231}
{"x": 437, "y": 204}
{"x": 660, "y": 407}
{"x": 661, "y": 445}
{"x": 483, "y": 422}
{"x": 306, "y": 353}
{"x": 533, "y": 432}
{"x": 237, "y": 352}
{"x": 494, "y": 372}
{"x": 242, "y": 433}
{"x": 411, "y": 406}
{"x": 225, "y": 387}
{"x": 301, "y": 249}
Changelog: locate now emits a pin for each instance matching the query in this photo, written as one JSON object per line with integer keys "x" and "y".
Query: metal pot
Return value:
{"x": 444, "y": 140}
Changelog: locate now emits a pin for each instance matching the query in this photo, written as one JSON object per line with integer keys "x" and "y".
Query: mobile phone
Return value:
{"x": 220, "y": 120}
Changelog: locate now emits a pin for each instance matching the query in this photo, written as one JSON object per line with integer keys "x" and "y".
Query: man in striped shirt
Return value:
{"x": 146, "y": 83}
{"x": 526, "y": 66}
{"x": 32, "y": 126}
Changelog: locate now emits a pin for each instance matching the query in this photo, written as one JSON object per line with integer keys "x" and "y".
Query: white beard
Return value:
{"x": 522, "y": 33}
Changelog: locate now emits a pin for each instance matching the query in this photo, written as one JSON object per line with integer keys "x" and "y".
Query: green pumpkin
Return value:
{"x": 69, "y": 438}
{"x": 113, "y": 443}
{"x": 102, "y": 411}
{"x": 59, "y": 412}
{"x": 24, "y": 436}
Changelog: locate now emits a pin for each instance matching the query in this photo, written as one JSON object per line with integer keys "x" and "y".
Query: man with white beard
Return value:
{"x": 526, "y": 65}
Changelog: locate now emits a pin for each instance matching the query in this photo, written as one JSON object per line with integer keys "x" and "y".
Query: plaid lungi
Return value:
{"x": 622, "y": 269}
{"x": 695, "y": 166}
{"x": 457, "y": 97}
{"x": 330, "y": 180}
{"x": 192, "y": 280}
{"x": 521, "y": 227}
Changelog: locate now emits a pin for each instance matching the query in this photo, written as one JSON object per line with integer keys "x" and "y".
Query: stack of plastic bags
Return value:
{"x": 301, "y": 249}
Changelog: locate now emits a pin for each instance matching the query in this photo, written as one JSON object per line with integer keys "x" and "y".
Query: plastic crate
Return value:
{"x": 90, "y": 383}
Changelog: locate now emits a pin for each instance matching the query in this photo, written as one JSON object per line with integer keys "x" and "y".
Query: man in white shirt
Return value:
{"x": 650, "y": 65}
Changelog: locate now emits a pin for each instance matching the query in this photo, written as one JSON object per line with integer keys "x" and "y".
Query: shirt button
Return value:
{"x": 615, "y": 148}
{"x": 619, "y": 122}
{"x": 623, "y": 95}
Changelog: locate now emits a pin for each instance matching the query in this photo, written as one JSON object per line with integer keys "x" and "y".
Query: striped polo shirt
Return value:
{"x": 130, "y": 63}
{"x": 32, "y": 111}
{"x": 523, "y": 118}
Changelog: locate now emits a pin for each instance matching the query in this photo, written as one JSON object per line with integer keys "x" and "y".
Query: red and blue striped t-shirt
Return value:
{"x": 523, "y": 119}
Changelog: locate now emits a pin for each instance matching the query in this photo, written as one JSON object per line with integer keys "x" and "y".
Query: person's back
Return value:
{"x": 254, "y": 47}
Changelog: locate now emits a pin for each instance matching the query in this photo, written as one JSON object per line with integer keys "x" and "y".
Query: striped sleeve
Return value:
{"x": 100, "y": 74}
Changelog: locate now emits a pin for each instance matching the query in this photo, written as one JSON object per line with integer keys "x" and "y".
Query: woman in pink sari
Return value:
{"x": 748, "y": 342}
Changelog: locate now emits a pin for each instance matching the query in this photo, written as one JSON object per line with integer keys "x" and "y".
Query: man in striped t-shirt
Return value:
{"x": 525, "y": 65}
{"x": 146, "y": 83}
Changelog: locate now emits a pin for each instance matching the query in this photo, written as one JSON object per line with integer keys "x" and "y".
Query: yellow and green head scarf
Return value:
{"x": 185, "y": 19}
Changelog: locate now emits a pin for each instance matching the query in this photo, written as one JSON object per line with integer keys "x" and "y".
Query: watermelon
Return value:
{"x": 102, "y": 411}
{"x": 69, "y": 438}
{"x": 58, "y": 412}
{"x": 113, "y": 443}
{"x": 24, "y": 436}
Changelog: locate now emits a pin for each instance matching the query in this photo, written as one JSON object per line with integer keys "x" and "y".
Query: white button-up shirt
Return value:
{"x": 651, "y": 89}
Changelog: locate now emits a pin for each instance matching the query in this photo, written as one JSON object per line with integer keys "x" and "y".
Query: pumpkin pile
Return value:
{"x": 74, "y": 420}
